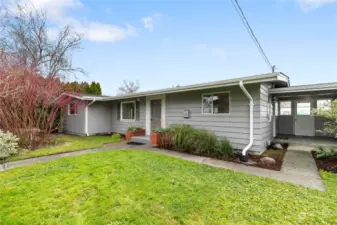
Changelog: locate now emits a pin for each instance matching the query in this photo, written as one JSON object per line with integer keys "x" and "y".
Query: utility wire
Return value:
{"x": 251, "y": 33}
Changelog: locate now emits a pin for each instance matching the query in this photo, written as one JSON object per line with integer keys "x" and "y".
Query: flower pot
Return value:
{"x": 139, "y": 133}
{"x": 155, "y": 139}
{"x": 128, "y": 135}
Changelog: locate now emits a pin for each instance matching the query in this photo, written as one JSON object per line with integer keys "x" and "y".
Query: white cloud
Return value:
{"x": 149, "y": 21}
{"x": 95, "y": 31}
{"x": 311, "y": 4}
{"x": 91, "y": 30}
{"x": 55, "y": 9}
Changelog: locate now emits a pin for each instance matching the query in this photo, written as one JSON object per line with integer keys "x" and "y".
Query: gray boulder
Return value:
{"x": 268, "y": 161}
{"x": 277, "y": 146}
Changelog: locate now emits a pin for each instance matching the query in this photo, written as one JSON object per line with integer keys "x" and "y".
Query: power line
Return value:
{"x": 251, "y": 33}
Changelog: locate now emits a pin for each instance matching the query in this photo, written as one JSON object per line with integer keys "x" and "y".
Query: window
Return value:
{"x": 72, "y": 109}
{"x": 285, "y": 108}
{"x": 303, "y": 109}
{"x": 215, "y": 103}
{"x": 128, "y": 110}
{"x": 324, "y": 104}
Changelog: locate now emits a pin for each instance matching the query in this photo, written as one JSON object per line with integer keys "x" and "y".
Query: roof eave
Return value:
{"x": 275, "y": 77}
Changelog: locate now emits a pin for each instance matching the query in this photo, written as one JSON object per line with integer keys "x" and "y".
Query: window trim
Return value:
{"x": 72, "y": 114}
{"x": 216, "y": 114}
{"x": 291, "y": 108}
{"x": 121, "y": 116}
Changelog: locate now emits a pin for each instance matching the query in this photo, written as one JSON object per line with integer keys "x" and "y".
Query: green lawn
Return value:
{"x": 141, "y": 187}
{"x": 66, "y": 143}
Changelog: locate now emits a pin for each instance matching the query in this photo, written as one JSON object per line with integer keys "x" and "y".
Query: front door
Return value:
{"x": 304, "y": 122}
{"x": 155, "y": 114}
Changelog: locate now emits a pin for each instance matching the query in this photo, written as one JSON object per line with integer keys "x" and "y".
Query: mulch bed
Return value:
{"x": 254, "y": 160}
{"x": 326, "y": 164}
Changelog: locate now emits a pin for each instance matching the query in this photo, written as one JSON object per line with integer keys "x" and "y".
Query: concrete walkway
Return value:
{"x": 293, "y": 169}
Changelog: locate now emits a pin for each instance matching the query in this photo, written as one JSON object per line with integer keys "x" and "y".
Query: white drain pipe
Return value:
{"x": 251, "y": 119}
{"x": 86, "y": 116}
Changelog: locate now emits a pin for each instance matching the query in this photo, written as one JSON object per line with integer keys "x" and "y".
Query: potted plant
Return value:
{"x": 156, "y": 136}
{"x": 134, "y": 131}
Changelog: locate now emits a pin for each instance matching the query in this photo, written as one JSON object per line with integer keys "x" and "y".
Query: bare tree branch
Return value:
{"x": 24, "y": 31}
{"x": 128, "y": 87}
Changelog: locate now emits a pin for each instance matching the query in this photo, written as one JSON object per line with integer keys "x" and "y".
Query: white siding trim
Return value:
{"x": 148, "y": 112}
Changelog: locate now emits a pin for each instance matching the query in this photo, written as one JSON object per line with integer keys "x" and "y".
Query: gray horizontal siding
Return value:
{"x": 99, "y": 117}
{"x": 266, "y": 127}
{"x": 118, "y": 126}
{"x": 75, "y": 124}
{"x": 234, "y": 126}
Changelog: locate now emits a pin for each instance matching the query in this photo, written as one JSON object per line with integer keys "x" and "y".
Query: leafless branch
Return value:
{"x": 24, "y": 32}
{"x": 128, "y": 87}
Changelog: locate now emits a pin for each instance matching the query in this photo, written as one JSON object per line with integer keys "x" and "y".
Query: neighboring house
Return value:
{"x": 248, "y": 111}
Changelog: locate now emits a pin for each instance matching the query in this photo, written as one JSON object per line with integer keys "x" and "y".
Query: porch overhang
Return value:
{"x": 312, "y": 89}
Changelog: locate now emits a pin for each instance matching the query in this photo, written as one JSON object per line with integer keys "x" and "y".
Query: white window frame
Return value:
{"x": 291, "y": 107}
{"x": 134, "y": 105}
{"x": 72, "y": 114}
{"x": 212, "y": 113}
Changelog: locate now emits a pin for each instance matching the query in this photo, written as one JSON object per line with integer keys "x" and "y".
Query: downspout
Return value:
{"x": 86, "y": 116}
{"x": 244, "y": 156}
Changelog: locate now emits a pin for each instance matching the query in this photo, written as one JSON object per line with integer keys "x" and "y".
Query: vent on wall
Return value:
{"x": 187, "y": 113}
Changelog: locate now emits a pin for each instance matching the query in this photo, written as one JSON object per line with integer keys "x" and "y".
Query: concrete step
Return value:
{"x": 301, "y": 147}
{"x": 141, "y": 139}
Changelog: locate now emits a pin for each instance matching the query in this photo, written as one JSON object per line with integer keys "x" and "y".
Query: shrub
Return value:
{"x": 116, "y": 136}
{"x": 223, "y": 148}
{"x": 8, "y": 144}
{"x": 202, "y": 142}
{"x": 161, "y": 130}
{"x": 199, "y": 141}
{"x": 182, "y": 136}
{"x": 134, "y": 129}
{"x": 330, "y": 114}
{"x": 166, "y": 140}
{"x": 324, "y": 152}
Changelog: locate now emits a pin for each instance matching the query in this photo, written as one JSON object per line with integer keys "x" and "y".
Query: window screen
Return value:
{"x": 128, "y": 110}
{"x": 324, "y": 104}
{"x": 303, "y": 108}
{"x": 72, "y": 109}
{"x": 215, "y": 103}
{"x": 285, "y": 108}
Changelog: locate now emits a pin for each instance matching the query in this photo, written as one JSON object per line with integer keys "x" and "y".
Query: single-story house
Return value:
{"x": 248, "y": 111}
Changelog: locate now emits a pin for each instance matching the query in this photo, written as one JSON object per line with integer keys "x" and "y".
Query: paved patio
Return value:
{"x": 307, "y": 144}
{"x": 298, "y": 168}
